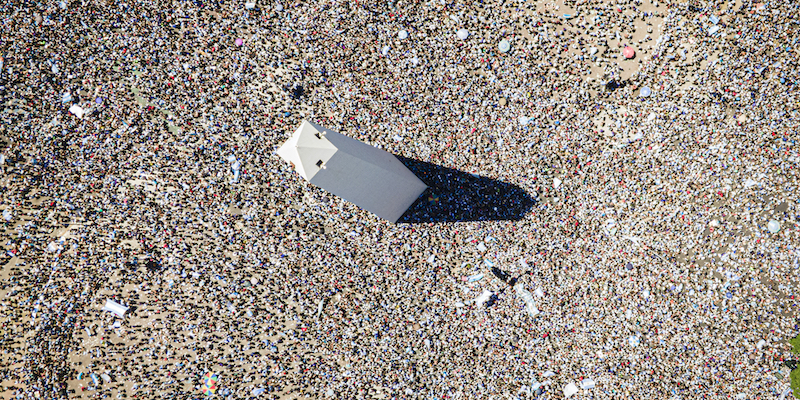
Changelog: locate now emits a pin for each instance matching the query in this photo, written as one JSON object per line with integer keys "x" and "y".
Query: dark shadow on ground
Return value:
{"x": 454, "y": 195}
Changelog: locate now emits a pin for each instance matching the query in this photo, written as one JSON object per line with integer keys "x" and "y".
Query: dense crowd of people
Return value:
{"x": 626, "y": 225}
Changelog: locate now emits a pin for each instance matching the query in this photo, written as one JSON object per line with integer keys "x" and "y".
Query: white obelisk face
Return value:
{"x": 307, "y": 150}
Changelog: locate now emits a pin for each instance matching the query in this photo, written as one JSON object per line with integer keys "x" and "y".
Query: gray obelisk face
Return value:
{"x": 366, "y": 176}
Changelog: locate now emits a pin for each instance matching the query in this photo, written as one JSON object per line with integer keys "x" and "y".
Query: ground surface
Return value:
{"x": 637, "y": 226}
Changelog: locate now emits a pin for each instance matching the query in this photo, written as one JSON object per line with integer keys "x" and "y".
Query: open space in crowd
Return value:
{"x": 640, "y": 160}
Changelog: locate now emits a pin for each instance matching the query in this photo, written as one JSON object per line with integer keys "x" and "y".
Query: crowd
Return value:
{"x": 633, "y": 200}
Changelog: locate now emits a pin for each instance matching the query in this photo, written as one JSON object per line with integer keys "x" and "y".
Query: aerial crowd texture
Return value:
{"x": 614, "y": 215}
